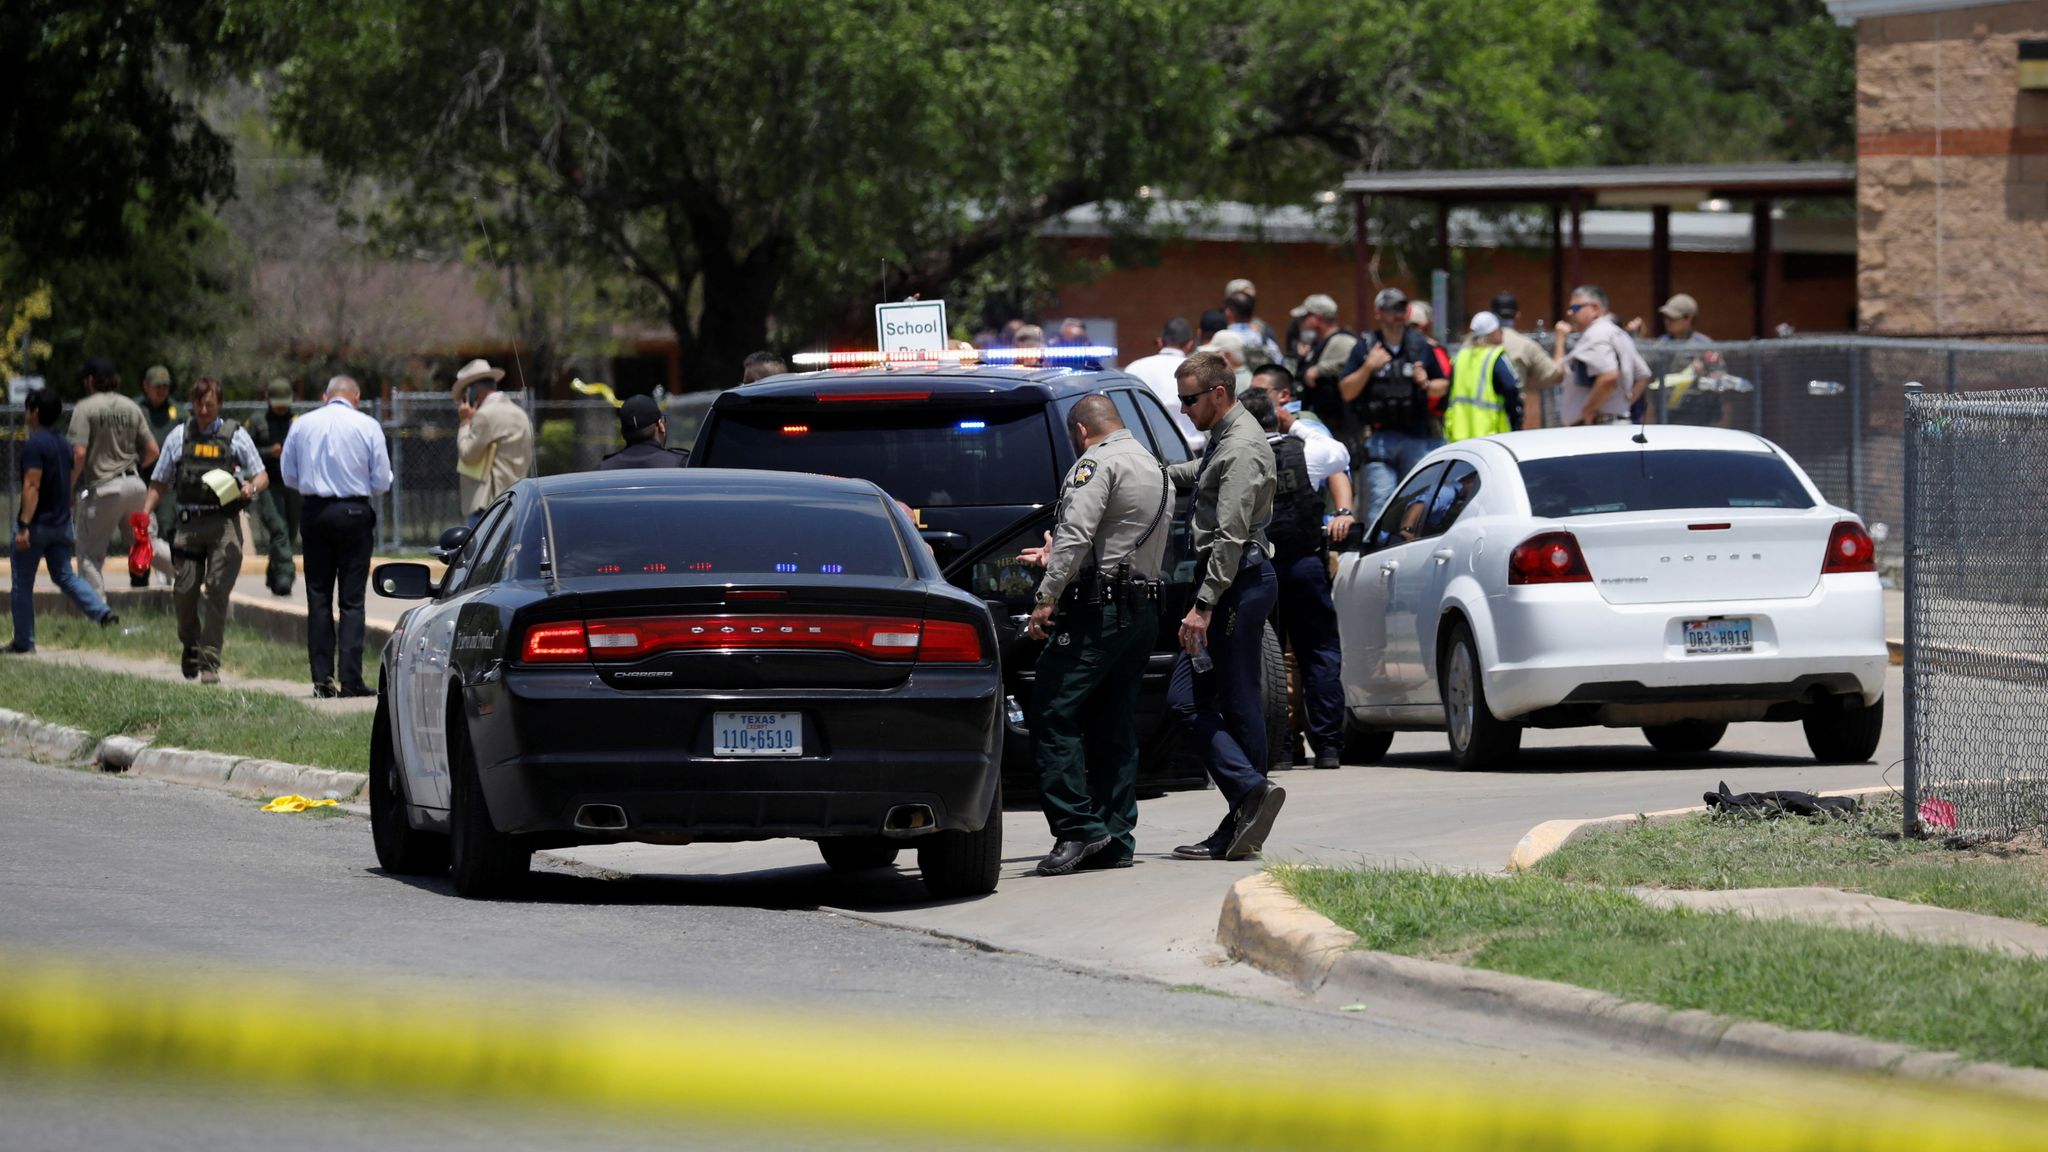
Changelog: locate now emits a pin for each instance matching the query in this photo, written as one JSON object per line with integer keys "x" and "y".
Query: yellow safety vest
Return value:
{"x": 1475, "y": 408}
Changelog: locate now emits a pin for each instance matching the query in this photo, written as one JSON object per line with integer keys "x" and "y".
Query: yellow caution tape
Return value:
{"x": 598, "y": 388}
{"x": 71, "y": 1017}
{"x": 294, "y": 803}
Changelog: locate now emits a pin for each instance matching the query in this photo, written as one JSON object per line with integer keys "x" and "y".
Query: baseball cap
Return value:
{"x": 157, "y": 374}
{"x": 1318, "y": 305}
{"x": 638, "y": 412}
{"x": 1485, "y": 323}
{"x": 1680, "y": 307}
{"x": 280, "y": 389}
{"x": 1240, "y": 285}
{"x": 98, "y": 367}
{"x": 1506, "y": 306}
{"x": 1390, "y": 298}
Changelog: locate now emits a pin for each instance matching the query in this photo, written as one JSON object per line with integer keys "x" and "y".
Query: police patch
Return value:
{"x": 1084, "y": 473}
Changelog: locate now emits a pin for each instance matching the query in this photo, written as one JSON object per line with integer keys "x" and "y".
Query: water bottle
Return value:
{"x": 1200, "y": 661}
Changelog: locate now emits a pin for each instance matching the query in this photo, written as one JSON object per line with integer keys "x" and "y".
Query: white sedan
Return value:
{"x": 1670, "y": 578}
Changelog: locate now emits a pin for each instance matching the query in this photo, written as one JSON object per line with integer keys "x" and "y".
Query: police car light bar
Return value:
{"x": 864, "y": 359}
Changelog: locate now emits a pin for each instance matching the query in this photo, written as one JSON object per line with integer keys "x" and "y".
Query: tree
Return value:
{"x": 769, "y": 163}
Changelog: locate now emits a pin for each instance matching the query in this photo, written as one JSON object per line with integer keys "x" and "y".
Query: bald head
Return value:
{"x": 345, "y": 388}
{"x": 1097, "y": 415}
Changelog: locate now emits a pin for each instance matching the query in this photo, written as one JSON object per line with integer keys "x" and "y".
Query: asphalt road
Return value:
{"x": 110, "y": 868}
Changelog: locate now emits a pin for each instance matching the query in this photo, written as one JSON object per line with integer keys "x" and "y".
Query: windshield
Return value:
{"x": 635, "y": 533}
{"x": 925, "y": 457}
{"x": 1648, "y": 481}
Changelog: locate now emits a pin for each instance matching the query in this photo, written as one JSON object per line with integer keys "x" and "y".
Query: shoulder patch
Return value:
{"x": 1084, "y": 473}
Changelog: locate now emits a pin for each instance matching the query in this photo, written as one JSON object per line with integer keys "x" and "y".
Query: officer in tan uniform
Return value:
{"x": 1098, "y": 610}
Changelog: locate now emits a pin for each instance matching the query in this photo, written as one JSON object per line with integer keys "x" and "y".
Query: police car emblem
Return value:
{"x": 1084, "y": 473}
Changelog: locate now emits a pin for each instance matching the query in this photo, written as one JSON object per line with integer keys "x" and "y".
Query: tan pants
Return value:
{"x": 208, "y": 555}
{"x": 102, "y": 513}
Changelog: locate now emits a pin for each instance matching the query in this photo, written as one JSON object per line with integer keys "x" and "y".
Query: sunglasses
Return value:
{"x": 1190, "y": 399}
{"x": 1575, "y": 307}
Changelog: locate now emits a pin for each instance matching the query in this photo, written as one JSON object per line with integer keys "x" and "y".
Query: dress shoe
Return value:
{"x": 1111, "y": 857}
{"x": 188, "y": 663}
{"x": 22, "y": 649}
{"x": 1328, "y": 760}
{"x": 1067, "y": 853}
{"x": 1200, "y": 850}
{"x": 1254, "y": 820}
{"x": 356, "y": 693}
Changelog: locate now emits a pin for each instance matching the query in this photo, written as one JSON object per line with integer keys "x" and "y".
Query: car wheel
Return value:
{"x": 1363, "y": 745}
{"x": 959, "y": 864}
{"x": 1273, "y": 698}
{"x": 402, "y": 850}
{"x": 1685, "y": 736}
{"x": 857, "y": 853}
{"x": 484, "y": 862}
{"x": 1845, "y": 731}
{"x": 1478, "y": 739}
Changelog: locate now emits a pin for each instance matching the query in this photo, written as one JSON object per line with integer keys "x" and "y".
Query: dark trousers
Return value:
{"x": 1222, "y": 707}
{"x": 338, "y": 536}
{"x": 1084, "y": 732}
{"x": 1307, "y": 623}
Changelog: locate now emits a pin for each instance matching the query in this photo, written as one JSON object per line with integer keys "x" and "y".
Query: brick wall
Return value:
{"x": 1952, "y": 174}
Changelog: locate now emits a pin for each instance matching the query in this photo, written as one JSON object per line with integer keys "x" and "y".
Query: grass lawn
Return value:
{"x": 176, "y": 714}
{"x": 1943, "y": 997}
{"x": 154, "y": 636}
{"x": 1864, "y": 854}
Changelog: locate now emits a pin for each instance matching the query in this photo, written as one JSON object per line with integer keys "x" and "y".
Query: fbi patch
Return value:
{"x": 1084, "y": 473}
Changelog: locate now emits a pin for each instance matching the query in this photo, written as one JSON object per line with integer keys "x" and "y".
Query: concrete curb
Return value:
{"x": 1265, "y": 926}
{"x": 1551, "y": 835}
{"x": 283, "y": 621}
{"x": 239, "y": 775}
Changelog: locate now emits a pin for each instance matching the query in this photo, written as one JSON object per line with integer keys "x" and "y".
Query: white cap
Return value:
{"x": 1485, "y": 323}
{"x": 1240, "y": 285}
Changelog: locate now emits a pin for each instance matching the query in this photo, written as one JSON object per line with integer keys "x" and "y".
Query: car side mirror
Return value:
{"x": 450, "y": 543}
{"x": 406, "y": 579}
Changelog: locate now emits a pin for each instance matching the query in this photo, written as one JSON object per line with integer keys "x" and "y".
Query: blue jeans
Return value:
{"x": 1390, "y": 456}
{"x": 1307, "y": 621}
{"x": 1222, "y": 707}
{"x": 52, "y": 547}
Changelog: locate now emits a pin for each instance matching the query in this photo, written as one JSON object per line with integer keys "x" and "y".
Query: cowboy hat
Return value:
{"x": 476, "y": 370}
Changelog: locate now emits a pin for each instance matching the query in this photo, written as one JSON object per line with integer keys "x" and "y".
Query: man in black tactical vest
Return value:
{"x": 213, "y": 466}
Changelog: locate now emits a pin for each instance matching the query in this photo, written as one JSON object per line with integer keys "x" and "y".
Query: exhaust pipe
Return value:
{"x": 909, "y": 820}
{"x": 601, "y": 817}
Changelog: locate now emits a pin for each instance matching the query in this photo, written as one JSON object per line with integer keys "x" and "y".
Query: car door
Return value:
{"x": 1448, "y": 553}
{"x": 1375, "y": 610}
{"x": 430, "y": 649}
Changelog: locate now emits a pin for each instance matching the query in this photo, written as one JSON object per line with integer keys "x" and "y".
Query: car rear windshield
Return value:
{"x": 945, "y": 457}
{"x": 1648, "y": 481}
{"x": 637, "y": 533}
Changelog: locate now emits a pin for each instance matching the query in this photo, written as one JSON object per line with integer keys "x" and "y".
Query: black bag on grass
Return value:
{"x": 1769, "y": 804}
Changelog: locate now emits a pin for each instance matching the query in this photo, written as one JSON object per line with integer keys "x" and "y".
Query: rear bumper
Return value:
{"x": 1562, "y": 645}
{"x": 935, "y": 741}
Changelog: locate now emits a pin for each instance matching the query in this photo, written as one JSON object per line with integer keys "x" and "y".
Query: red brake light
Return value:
{"x": 1850, "y": 549}
{"x": 555, "y": 644}
{"x": 950, "y": 642}
{"x": 1550, "y": 558}
{"x": 875, "y": 637}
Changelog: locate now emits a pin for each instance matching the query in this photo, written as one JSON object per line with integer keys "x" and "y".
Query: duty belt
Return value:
{"x": 1090, "y": 588}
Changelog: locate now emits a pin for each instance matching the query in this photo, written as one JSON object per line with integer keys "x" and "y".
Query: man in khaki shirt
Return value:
{"x": 494, "y": 446}
{"x": 111, "y": 449}
{"x": 1534, "y": 367}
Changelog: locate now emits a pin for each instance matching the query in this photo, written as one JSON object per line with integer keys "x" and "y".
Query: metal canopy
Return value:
{"x": 1733, "y": 181}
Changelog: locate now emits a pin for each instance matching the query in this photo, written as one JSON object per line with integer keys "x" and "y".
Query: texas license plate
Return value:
{"x": 757, "y": 734}
{"x": 1723, "y": 634}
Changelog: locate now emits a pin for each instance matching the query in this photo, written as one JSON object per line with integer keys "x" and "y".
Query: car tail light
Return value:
{"x": 1551, "y": 558}
{"x": 555, "y": 644}
{"x": 1850, "y": 549}
{"x": 950, "y": 642}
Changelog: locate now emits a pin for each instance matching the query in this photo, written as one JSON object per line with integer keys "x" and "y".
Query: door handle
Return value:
{"x": 1444, "y": 555}
{"x": 1387, "y": 569}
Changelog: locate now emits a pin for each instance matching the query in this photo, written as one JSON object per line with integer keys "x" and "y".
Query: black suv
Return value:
{"x": 978, "y": 453}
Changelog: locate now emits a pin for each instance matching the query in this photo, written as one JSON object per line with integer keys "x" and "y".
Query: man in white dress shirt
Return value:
{"x": 1176, "y": 340}
{"x": 336, "y": 458}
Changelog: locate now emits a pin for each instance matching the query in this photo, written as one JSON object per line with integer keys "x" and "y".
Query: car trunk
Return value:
{"x": 1712, "y": 554}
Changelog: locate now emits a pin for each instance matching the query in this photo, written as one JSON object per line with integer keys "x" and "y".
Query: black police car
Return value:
{"x": 689, "y": 654}
{"x": 977, "y": 452}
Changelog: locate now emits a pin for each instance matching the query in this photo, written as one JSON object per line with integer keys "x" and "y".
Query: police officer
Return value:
{"x": 1215, "y": 687}
{"x": 1098, "y": 606}
{"x": 216, "y": 472}
{"x": 277, "y": 507}
{"x": 646, "y": 433}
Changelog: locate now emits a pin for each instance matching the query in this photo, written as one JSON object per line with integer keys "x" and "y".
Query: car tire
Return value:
{"x": 402, "y": 850}
{"x": 1685, "y": 737}
{"x": 1363, "y": 745}
{"x": 957, "y": 864}
{"x": 857, "y": 853}
{"x": 1478, "y": 739}
{"x": 484, "y": 862}
{"x": 1273, "y": 698}
{"x": 1845, "y": 731}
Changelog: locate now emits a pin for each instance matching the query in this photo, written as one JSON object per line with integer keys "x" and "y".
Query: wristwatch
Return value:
{"x": 1341, "y": 512}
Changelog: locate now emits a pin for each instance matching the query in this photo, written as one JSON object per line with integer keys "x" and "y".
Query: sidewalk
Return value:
{"x": 1833, "y": 908}
{"x": 229, "y": 679}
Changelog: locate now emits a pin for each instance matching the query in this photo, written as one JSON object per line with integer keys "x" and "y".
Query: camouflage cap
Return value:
{"x": 280, "y": 389}
{"x": 157, "y": 374}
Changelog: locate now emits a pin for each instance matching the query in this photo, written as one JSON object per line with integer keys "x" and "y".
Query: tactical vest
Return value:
{"x": 1475, "y": 408}
{"x": 202, "y": 453}
{"x": 1296, "y": 529}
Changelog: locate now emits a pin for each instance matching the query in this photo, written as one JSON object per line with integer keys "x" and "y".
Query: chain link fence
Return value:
{"x": 1976, "y": 613}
